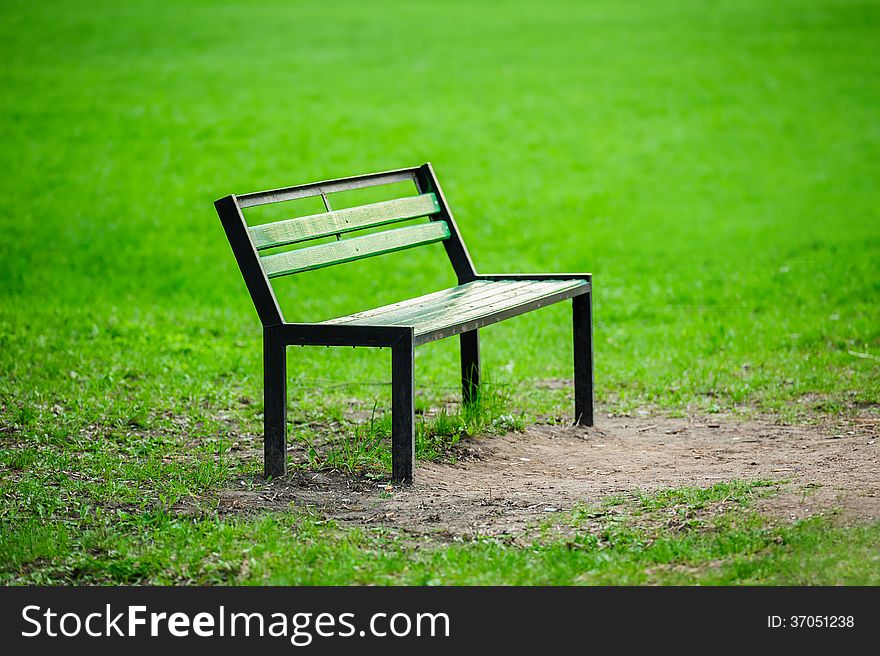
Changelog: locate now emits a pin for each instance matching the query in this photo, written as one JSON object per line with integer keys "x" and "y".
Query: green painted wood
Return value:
{"x": 447, "y": 328}
{"x": 452, "y": 292}
{"x": 467, "y": 306}
{"x": 304, "y": 228}
{"x": 460, "y": 304}
{"x": 325, "y": 187}
{"x": 499, "y": 305}
{"x": 421, "y": 310}
{"x": 355, "y": 248}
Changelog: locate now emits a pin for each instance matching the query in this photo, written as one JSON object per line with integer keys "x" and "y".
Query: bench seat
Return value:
{"x": 467, "y": 307}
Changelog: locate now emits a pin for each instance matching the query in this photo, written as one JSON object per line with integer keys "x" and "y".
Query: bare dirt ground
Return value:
{"x": 507, "y": 485}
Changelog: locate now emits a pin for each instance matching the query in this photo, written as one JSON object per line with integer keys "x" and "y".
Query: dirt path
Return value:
{"x": 503, "y": 485}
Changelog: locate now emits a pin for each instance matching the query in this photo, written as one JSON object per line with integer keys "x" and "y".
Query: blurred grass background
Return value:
{"x": 712, "y": 163}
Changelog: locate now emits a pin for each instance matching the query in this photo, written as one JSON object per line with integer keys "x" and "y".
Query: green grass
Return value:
{"x": 364, "y": 446}
{"x": 714, "y": 168}
{"x": 733, "y": 546}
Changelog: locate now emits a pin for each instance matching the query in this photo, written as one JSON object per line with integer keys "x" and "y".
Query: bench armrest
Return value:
{"x": 535, "y": 276}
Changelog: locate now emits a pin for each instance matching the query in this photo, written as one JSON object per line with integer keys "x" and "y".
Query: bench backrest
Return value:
{"x": 248, "y": 241}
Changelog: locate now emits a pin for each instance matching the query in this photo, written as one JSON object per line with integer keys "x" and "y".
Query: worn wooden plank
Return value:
{"x": 463, "y": 312}
{"x": 356, "y": 248}
{"x": 463, "y": 305}
{"x": 324, "y": 187}
{"x": 400, "y": 313}
{"x": 422, "y": 312}
{"x": 425, "y": 334}
{"x": 457, "y": 303}
{"x": 303, "y": 228}
{"x": 501, "y": 304}
{"x": 427, "y": 298}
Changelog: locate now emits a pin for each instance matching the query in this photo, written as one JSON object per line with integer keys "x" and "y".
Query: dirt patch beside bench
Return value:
{"x": 505, "y": 485}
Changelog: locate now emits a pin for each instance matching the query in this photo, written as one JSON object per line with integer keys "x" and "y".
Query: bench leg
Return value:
{"x": 470, "y": 366}
{"x": 582, "y": 310}
{"x": 274, "y": 404}
{"x": 402, "y": 411}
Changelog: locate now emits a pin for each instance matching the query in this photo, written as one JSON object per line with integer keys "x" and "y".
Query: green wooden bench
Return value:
{"x": 478, "y": 300}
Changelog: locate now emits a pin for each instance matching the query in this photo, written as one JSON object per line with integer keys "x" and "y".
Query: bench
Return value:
{"x": 477, "y": 301}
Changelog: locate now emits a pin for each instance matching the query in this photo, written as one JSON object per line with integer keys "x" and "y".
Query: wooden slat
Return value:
{"x": 356, "y": 248}
{"x": 458, "y": 304}
{"x": 486, "y": 316}
{"x": 420, "y": 308}
{"x": 291, "y": 231}
{"x": 497, "y": 305}
{"x": 325, "y": 187}
{"x": 434, "y": 296}
{"x": 466, "y": 306}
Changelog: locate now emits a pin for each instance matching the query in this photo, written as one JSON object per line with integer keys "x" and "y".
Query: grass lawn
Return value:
{"x": 714, "y": 167}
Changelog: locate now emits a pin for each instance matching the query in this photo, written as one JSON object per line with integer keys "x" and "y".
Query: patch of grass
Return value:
{"x": 690, "y": 508}
{"x": 696, "y": 498}
{"x": 738, "y": 547}
{"x": 365, "y": 447}
{"x": 491, "y": 411}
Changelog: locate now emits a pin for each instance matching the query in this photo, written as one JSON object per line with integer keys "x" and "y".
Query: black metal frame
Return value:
{"x": 278, "y": 334}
